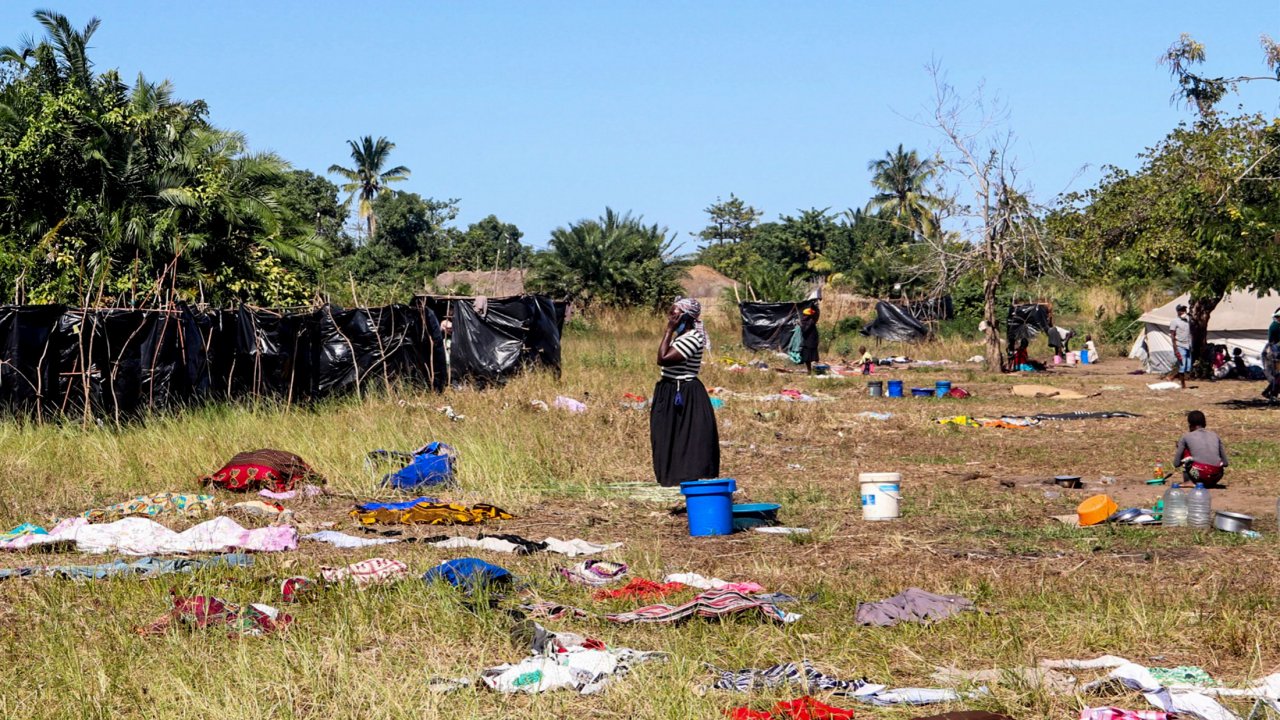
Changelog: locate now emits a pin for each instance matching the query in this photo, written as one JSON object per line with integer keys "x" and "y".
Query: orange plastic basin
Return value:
{"x": 1096, "y": 509}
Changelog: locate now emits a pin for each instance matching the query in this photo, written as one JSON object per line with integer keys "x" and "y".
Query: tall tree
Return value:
{"x": 367, "y": 179}
{"x": 1205, "y": 91}
{"x": 901, "y": 181}
{"x": 730, "y": 221}
{"x": 490, "y": 244}
{"x": 615, "y": 260}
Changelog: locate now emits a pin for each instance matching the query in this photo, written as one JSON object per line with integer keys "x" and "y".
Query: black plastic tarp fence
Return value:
{"x": 121, "y": 363}
{"x": 768, "y": 325}
{"x": 894, "y": 323}
{"x": 1027, "y": 321}
{"x": 494, "y": 338}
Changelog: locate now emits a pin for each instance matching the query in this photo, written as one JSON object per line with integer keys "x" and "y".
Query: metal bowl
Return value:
{"x": 1071, "y": 482}
{"x": 1232, "y": 522}
{"x": 1125, "y": 516}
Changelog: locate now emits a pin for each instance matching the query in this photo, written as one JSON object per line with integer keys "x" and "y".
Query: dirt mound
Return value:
{"x": 704, "y": 282}
{"x": 499, "y": 283}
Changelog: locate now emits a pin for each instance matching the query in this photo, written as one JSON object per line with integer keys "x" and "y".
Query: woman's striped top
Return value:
{"x": 690, "y": 346}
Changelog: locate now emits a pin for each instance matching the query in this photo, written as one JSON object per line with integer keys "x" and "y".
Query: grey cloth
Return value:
{"x": 1205, "y": 447}
{"x": 1181, "y": 329}
{"x": 912, "y": 605}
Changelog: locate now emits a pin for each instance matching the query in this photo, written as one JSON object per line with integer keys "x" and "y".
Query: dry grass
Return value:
{"x": 975, "y": 523}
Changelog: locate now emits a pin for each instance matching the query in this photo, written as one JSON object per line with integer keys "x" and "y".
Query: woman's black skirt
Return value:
{"x": 686, "y": 444}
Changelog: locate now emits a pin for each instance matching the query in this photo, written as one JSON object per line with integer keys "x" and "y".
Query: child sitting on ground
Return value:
{"x": 1200, "y": 453}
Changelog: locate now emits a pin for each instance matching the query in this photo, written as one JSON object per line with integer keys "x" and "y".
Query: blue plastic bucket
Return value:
{"x": 921, "y": 392}
{"x": 941, "y": 388}
{"x": 1084, "y": 357}
{"x": 753, "y": 515}
{"x": 895, "y": 388}
{"x": 710, "y": 506}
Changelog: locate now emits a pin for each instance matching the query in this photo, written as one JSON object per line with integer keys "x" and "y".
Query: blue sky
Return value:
{"x": 546, "y": 112}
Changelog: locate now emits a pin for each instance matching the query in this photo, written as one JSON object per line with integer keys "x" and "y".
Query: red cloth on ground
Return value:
{"x": 805, "y": 708}
{"x": 640, "y": 588}
{"x": 275, "y": 470}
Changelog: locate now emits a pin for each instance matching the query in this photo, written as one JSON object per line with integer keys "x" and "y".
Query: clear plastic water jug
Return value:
{"x": 1175, "y": 507}
{"x": 1199, "y": 507}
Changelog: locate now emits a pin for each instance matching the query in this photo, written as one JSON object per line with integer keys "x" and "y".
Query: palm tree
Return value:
{"x": 901, "y": 178}
{"x": 367, "y": 180}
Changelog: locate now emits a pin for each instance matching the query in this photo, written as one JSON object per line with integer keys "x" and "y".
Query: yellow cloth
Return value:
{"x": 428, "y": 513}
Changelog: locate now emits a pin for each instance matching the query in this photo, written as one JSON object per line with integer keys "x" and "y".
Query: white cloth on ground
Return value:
{"x": 345, "y": 541}
{"x": 140, "y": 536}
{"x": 586, "y": 671}
{"x": 576, "y": 547}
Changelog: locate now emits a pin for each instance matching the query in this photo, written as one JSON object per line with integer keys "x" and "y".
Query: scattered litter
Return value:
{"x": 710, "y": 604}
{"x": 345, "y": 541}
{"x": 705, "y": 583}
{"x": 146, "y": 567}
{"x": 911, "y": 605}
{"x": 1181, "y": 675}
{"x": 431, "y": 513}
{"x": 976, "y": 359}
{"x": 374, "y": 571}
{"x": 448, "y": 412}
{"x": 1166, "y": 385}
{"x": 794, "y": 466}
{"x": 540, "y": 406}
{"x": 150, "y": 506}
{"x": 273, "y": 469}
{"x": 780, "y": 530}
{"x": 594, "y": 573}
{"x": 140, "y": 536}
{"x": 202, "y": 611}
{"x": 871, "y": 415}
{"x": 568, "y": 403}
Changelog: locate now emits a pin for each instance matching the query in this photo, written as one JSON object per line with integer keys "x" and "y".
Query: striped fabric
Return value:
{"x": 786, "y": 674}
{"x": 367, "y": 572}
{"x": 690, "y": 346}
{"x": 711, "y": 604}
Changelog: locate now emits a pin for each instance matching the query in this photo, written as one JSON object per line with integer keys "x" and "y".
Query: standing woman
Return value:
{"x": 682, "y": 423}
{"x": 809, "y": 337}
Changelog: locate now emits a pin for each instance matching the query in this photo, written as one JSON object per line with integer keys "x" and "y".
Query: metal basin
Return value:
{"x": 1232, "y": 522}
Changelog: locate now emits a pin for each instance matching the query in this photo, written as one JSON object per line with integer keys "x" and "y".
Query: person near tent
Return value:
{"x": 1060, "y": 341}
{"x": 1200, "y": 453}
{"x": 1180, "y": 336}
{"x": 682, "y": 423}
{"x": 1022, "y": 361}
{"x": 865, "y": 360}
{"x": 1240, "y": 367}
{"x": 1270, "y": 356}
{"x": 808, "y": 328}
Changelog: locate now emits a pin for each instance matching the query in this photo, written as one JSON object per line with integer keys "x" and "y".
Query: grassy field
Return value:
{"x": 976, "y": 523}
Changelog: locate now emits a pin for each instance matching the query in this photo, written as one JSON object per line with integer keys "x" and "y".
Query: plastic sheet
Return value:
{"x": 1025, "y": 322}
{"x": 768, "y": 325}
{"x": 895, "y": 324}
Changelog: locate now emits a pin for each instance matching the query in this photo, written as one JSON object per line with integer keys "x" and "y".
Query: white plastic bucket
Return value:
{"x": 880, "y": 495}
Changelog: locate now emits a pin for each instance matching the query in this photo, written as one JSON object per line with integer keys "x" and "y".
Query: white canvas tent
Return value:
{"x": 1240, "y": 321}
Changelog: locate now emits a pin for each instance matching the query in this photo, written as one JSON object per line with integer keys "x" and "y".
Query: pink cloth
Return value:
{"x": 1115, "y": 713}
{"x": 140, "y": 536}
{"x": 288, "y": 495}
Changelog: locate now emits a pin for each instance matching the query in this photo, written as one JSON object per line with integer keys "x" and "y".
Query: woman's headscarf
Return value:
{"x": 693, "y": 309}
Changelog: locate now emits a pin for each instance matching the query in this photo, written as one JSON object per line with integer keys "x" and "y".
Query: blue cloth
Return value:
{"x": 145, "y": 566}
{"x": 1184, "y": 366}
{"x": 366, "y": 507}
{"x": 432, "y": 465}
{"x": 468, "y": 573}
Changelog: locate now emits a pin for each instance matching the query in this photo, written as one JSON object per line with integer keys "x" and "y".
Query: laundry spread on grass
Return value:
{"x": 430, "y": 465}
{"x": 274, "y": 470}
{"x": 204, "y": 611}
{"x": 805, "y": 708}
{"x": 705, "y": 583}
{"x": 140, "y": 536}
{"x": 260, "y": 510}
{"x": 911, "y": 605}
{"x": 580, "y": 669}
{"x": 374, "y": 571}
{"x": 1181, "y": 693}
{"x": 155, "y": 505}
{"x": 804, "y": 675}
{"x": 641, "y": 589}
{"x": 1115, "y": 713}
{"x": 1005, "y": 423}
{"x": 594, "y": 573}
{"x": 710, "y": 604}
{"x": 345, "y": 541}
{"x": 146, "y": 567}
{"x": 431, "y": 513}
{"x": 468, "y": 573}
